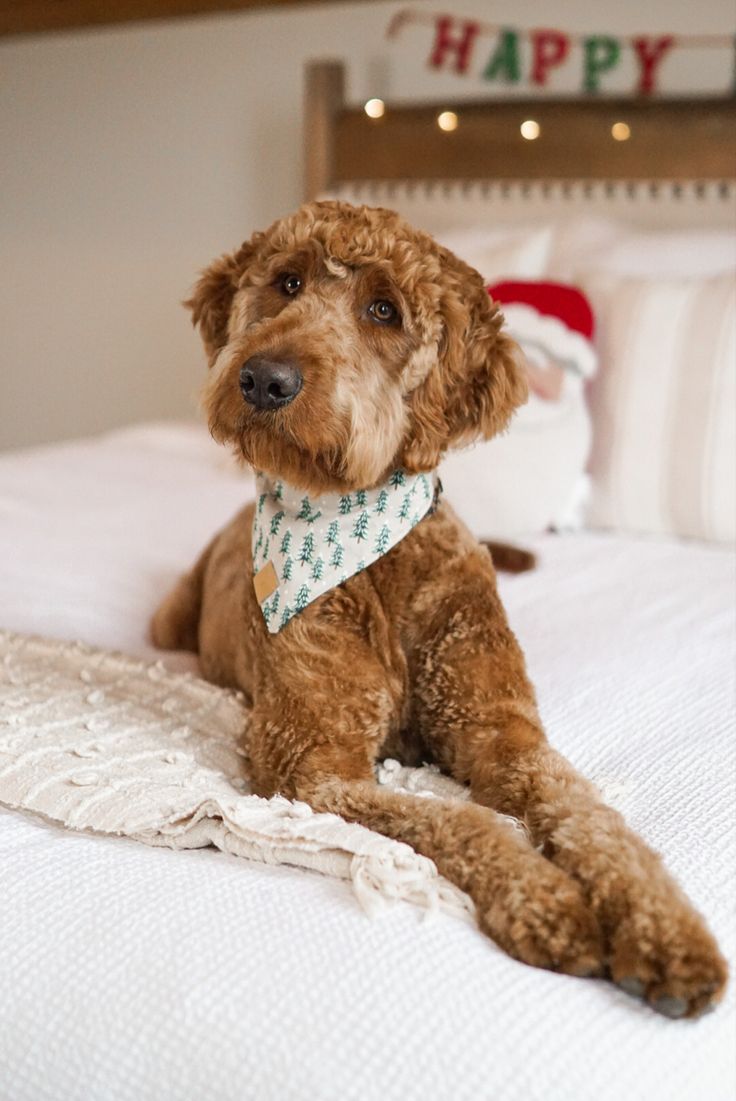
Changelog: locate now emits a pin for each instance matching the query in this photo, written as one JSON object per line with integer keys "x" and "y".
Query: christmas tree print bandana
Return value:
{"x": 303, "y": 546}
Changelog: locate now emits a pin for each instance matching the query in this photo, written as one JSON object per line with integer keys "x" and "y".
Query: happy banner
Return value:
{"x": 457, "y": 41}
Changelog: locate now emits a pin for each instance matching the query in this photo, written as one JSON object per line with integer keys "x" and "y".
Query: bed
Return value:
{"x": 142, "y": 973}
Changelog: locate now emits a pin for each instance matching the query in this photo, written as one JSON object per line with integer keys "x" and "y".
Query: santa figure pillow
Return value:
{"x": 533, "y": 477}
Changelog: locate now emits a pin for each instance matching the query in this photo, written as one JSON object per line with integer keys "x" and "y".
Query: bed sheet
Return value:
{"x": 141, "y": 973}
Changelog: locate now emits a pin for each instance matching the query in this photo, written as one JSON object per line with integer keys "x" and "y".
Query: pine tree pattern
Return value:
{"x": 307, "y": 512}
{"x": 313, "y": 548}
{"x": 382, "y": 540}
{"x": 318, "y": 570}
{"x": 269, "y": 609}
{"x": 360, "y": 527}
{"x": 405, "y": 507}
{"x": 276, "y": 521}
{"x": 307, "y": 548}
{"x": 337, "y": 557}
{"x": 333, "y": 533}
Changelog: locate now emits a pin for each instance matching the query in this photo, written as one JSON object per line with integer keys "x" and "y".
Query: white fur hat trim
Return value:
{"x": 525, "y": 323}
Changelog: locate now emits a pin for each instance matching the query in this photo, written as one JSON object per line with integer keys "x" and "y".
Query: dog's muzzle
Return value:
{"x": 269, "y": 383}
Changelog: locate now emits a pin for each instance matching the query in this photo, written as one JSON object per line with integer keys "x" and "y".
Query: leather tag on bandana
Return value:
{"x": 265, "y": 582}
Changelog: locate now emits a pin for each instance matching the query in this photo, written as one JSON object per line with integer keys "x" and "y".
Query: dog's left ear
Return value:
{"x": 479, "y": 379}
{"x": 212, "y": 298}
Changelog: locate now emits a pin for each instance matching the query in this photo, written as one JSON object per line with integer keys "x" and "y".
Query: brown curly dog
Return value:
{"x": 343, "y": 346}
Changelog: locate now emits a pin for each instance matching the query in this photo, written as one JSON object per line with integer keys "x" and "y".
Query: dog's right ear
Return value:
{"x": 212, "y": 297}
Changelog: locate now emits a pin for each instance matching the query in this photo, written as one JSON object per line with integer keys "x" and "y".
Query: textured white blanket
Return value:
{"x": 136, "y": 973}
{"x": 99, "y": 741}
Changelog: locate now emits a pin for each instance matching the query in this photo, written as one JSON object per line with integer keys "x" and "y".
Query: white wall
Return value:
{"x": 133, "y": 155}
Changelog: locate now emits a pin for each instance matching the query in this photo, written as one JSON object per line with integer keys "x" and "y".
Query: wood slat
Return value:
{"x": 36, "y": 16}
{"x": 670, "y": 139}
{"x": 324, "y": 98}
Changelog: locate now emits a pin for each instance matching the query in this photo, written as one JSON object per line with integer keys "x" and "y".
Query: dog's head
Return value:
{"x": 342, "y": 344}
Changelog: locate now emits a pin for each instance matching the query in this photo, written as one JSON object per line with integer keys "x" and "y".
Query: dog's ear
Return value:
{"x": 478, "y": 380}
{"x": 212, "y": 298}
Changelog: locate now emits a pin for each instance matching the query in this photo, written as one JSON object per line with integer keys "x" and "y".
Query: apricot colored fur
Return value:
{"x": 414, "y": 656}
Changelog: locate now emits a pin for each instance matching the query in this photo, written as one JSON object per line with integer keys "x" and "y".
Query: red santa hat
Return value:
{"x": 554, "y": 316}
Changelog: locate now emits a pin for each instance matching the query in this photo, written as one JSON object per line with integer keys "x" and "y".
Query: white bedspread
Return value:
{"x": 137, "y": 973}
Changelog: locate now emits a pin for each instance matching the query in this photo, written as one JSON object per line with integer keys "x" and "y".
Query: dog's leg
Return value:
{"x": 175, "y": 624}
{"x": 536, "y": 917}
{"x": 319, "y": 719}
{"x": 659, "y": 946}
{"x": 477, "y": 711}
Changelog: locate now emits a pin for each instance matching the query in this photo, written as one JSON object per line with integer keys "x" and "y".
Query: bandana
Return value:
{"x": 303, "y": 546}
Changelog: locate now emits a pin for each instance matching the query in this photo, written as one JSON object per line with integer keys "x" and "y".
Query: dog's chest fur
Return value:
{"x": 388, "y": 608}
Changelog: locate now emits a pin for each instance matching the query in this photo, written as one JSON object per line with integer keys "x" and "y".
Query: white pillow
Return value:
{"x": 587, "y": 247}
{"x": 533, "y": 477}
{"x": 501, "y": 253}
{"x": 527, "y": 480}
{"x": 664, "y": 407}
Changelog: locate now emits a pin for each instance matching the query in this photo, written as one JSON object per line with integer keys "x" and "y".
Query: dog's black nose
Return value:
{"x": 269, "y": 383}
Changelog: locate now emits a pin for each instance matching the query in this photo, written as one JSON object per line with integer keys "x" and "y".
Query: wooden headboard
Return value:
{"x": 669, "y": 139}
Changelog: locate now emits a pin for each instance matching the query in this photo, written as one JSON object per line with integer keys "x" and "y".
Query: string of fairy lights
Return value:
{"x": 455, "y": 41}
{"x": 448, "y": 121}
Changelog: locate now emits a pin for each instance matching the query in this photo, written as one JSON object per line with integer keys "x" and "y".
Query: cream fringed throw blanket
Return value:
{"x": 99, "y": 741}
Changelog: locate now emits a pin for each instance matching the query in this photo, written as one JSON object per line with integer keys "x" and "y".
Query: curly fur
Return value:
{"x": 413, "y": 656}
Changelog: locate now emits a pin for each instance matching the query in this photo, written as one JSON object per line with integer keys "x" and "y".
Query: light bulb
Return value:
{"x": 374, "y": 108}
{"x": 447, "y": 120}
{"x": 530, "y": 130}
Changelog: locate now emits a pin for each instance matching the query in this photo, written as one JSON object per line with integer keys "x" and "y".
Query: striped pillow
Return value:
{"x": 664, "y": 408}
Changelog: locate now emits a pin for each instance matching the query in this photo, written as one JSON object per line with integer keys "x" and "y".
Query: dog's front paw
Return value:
{"x": 543, "y": 920}
{"x": 662, "y": 951}
{"x": 657, "y": 946}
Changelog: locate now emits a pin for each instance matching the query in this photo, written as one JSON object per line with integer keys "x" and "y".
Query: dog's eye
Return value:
{"x": 289, "y": 284}
{"x": 384, "y": 312}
